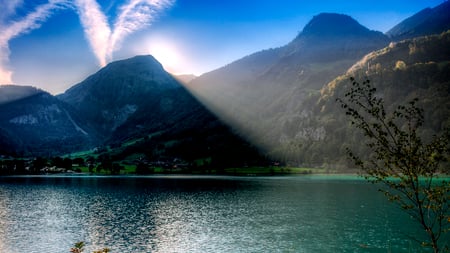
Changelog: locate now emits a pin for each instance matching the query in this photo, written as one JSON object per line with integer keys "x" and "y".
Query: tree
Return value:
{"x": 116, "y": 168}
{"x": 57, "y": 162}
{"x": 39, "y": 163}
{"x": 67, "y": 163}
{"x": 105, "y": 163}
{"x": 79, "y": 161}
{"x": 143, "y": 168}
{"x": 400, "y": 159}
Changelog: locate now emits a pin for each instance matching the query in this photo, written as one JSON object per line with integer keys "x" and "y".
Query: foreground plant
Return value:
{"x": 79, "y": 248}
{"x": 401, "y": 160}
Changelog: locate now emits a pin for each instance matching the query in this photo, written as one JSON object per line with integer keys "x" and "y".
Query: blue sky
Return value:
{"x": 54, "y": 44}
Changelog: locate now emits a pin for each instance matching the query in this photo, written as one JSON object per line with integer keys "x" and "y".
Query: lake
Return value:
{"x": 310, "y": 213}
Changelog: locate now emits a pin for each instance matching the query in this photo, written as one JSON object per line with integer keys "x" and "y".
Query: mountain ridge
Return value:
{"x": 333, "y": 24}
{"x": 427, "y": 21}
{"x": 272, "y": 98}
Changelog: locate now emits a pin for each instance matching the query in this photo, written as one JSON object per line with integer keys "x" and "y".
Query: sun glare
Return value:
{"x": 167, "y": 54}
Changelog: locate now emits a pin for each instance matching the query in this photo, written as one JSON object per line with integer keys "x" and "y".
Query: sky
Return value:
{"x": 54, "y": 44}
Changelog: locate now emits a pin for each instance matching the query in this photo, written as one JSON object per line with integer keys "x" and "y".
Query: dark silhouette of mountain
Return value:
{"x": 426, "y": 22}
{"x": 263, "y": 94}
{"x": 333, "y": 25}
{"x": 329, "y": 36}
{"x": 39, "y": 124}
{"x": 123, "y": 88}
{"x": 136, "y": 101}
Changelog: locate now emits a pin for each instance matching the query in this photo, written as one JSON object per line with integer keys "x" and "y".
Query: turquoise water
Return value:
{"x": 201, "y": 214}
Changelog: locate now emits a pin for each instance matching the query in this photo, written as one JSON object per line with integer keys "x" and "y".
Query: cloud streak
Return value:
{"x": 12, "y": 30}
{"x": 132, "y": 16}
{"x": 96, "y": 28}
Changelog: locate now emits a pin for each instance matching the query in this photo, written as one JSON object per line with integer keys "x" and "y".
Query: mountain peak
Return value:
{"x": 333, "y": 24}
{"x": 335, "y": 36}
{"x": 138, "y": 63}
{"x": 138, "y": 72}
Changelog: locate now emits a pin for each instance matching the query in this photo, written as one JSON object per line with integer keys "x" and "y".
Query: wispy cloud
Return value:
{"x": 96, "y": 28}
{"x": 12, "y": 30}
{"x": 132, "y": 16}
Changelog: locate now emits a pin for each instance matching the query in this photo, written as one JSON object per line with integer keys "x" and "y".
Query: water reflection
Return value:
{"x": 185, "y": 214}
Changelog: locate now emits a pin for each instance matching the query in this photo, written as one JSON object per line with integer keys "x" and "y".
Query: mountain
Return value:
{"x": 136, "y": 107}
{"x": 109, "y": 97}
{"x": 263, "y": 94}
{"x": 130, "y": 109}
{"x": 329, "y": 35}
{"x": 428, "y": 21}
{"x": 413, "y": 68}
{"x": 35, "y": 122}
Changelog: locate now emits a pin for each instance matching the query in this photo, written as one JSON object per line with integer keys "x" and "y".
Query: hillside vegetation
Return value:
{"x": 416, "y": 68}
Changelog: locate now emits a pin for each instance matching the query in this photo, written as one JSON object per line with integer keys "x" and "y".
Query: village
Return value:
{"x": 90, "y": 165}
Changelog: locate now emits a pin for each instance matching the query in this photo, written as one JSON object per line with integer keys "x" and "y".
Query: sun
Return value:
{"x": 167, "y": 54}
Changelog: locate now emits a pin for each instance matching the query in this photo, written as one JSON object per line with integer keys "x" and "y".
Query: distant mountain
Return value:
{"x": 330, "y": 35}
{"x": 426, "y": 22}
{"x": 263, "y": 94}
{"x": 39, "y": 124}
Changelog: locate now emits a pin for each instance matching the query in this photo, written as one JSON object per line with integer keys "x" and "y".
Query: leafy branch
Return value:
{"x": 399, "y": 158}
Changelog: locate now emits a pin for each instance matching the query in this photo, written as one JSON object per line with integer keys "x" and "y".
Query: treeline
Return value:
{"x": 106, "y": 163}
